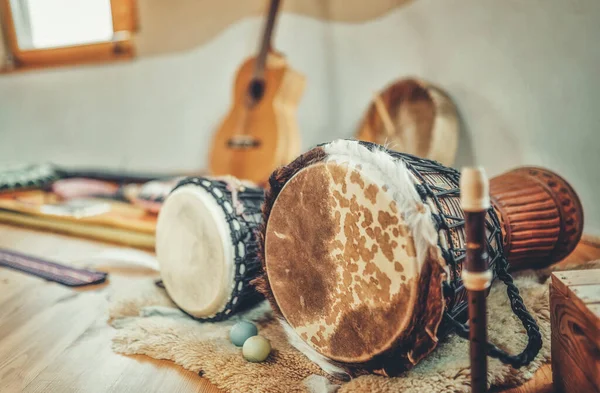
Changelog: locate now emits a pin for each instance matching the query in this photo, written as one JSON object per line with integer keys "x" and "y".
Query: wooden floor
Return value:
{"x": 56, "y": 339}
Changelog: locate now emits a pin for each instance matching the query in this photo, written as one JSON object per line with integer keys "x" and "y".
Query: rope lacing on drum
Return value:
{"x": 453, "y": 254}
{"x": 534, "y": 342}
{"x": 248, "y": 254}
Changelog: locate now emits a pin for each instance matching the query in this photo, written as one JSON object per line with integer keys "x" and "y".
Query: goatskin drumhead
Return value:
{"x": 194, "y": 251}
{"x": 341, "y": 261}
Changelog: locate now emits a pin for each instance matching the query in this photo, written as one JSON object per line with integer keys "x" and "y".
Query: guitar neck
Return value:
{"x": 265, "y": 43}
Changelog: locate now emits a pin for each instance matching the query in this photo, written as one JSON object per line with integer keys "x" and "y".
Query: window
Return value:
{"x": 54, "y": 32}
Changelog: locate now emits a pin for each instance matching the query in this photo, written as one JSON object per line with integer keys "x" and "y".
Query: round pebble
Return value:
{"x": 241, "y": 331}
{"x": 256, "y": 349}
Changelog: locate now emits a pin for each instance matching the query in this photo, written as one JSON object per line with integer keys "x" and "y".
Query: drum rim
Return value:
{"x": 219, "y": 222}
{"x": 406, "y": 321}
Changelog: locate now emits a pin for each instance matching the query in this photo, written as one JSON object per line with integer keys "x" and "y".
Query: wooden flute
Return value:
{"x": 476, "y": 276}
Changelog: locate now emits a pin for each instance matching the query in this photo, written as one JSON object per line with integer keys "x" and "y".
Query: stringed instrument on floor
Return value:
{"x": 260, "y": 131}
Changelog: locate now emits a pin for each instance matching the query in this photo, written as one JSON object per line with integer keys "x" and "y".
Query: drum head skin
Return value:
{"x": 346, "y": 272}
{"x": 194, "y": 250}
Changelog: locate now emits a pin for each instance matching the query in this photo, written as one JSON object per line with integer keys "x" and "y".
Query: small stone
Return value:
{"x": 241, "y": 331}
{"x": 256, "y": 349}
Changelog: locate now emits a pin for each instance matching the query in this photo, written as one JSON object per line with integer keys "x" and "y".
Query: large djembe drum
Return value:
{"x": 206, "y": 246}
{"x": 362, "y": 252}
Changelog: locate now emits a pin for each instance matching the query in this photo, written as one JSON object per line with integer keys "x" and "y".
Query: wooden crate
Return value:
{"x": 575, "y": 317}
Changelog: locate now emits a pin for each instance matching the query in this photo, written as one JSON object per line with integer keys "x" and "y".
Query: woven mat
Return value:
{"x": 148, "y": 323}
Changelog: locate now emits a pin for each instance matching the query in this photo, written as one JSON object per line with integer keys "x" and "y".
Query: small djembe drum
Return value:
{"x": 362, "y": 252}
{"x": 206, "y": 246}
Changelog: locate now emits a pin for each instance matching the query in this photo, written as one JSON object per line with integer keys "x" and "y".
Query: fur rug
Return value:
{"x": 148, "y": 323}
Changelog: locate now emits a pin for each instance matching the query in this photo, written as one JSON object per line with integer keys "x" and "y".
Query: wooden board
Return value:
{"x": 116, "y": 221}
{"x": 72, "y": 352}
{"x": 574, "y": 301}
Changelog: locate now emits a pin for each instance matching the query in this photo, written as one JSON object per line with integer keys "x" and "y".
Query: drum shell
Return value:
{"x": 541, "y": 216}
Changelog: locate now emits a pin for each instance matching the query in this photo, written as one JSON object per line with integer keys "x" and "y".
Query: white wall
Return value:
{"x": 524, "y": 73}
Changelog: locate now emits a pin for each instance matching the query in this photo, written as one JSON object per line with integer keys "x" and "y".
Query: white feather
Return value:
{"x": 400, "y": 181}
{"x": 325, "y": 363}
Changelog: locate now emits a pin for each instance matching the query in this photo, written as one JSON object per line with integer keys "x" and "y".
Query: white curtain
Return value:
{"x": 20, "y": 15}
{"x": 3, "y": 49}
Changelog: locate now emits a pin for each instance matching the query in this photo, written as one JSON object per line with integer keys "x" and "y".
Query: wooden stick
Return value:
{"x": 475, "y": 201}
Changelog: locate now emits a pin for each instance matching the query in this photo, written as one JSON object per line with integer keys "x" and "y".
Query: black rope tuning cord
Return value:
{"x": 534, "y": 343}
{"x": 451, "y": 222}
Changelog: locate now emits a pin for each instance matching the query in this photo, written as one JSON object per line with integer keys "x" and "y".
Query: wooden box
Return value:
{"x": 575, "y": 318}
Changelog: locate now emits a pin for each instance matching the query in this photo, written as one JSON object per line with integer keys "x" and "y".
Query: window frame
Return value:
{"x": 121, "y": 47}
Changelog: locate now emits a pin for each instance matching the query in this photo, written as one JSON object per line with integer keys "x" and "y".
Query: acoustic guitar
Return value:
{"x": 260, "y": 131}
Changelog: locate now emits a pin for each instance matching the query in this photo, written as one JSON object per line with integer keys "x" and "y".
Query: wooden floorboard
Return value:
{"x": 56, "y": 339}
{"x": 31, "y": 347}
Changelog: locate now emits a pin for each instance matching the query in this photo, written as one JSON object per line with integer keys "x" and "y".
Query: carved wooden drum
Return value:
{"x": 206, "y": 246}
{"x": 363, "y": 249}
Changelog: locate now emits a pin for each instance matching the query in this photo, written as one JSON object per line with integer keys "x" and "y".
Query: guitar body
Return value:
{"x": 268, "y": 126}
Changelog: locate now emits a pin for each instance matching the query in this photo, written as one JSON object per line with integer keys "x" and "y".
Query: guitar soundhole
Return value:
{"x": 256, "y": 90}
{"x": 243, "y": 142}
